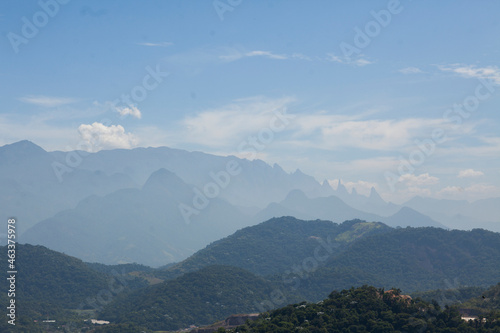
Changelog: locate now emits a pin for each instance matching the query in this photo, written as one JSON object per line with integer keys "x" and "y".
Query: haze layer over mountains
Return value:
{"x": 120, "y": 206}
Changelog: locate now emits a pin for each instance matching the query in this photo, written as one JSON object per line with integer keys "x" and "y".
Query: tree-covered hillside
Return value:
{"x": 296, "y": 260}
{"x": 274, "y": 246}
{"x": 484, "y": 303}
{"x": 201, "y": 297}
{"x": 415, "y": 259}
{"x": 53, "y": 285}
{"x": 368, "y": 309}
{"x": 53, "y": 277}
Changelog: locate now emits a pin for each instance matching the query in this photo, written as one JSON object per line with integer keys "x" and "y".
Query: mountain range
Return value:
{"x": 156, "y": 206}
{"x": 256, "y": 269}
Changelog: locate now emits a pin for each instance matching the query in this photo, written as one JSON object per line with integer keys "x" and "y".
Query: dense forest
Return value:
{"x": 483, "y": 303}
{"x": 259, "y": 269}
{"x": 450, "y": 296}
{"x": 414, "y": 259}
{"x": 368, "y": 309}
{"x": 52, "y": 285}
{"x": 274, "y": 246}
{"x": 199, "y": 298}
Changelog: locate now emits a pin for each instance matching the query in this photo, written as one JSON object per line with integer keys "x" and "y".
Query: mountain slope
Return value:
{"x": 460, "y": 214}
{"x": 407, "y": 217}
{"x": 484, "y": 303}
{"x": 257, "y": 184}
{"x": 199, "y": 298}
{"x": 53, "y": 277}
{"x": 299, "y": 205}
{"x": 335, "y": 209}
{"x": 144, "y": 226}
{"x": 274, "y": 246}
{"x": 371, "y": 204}
{"x": 33, "y": 190}
{"x": 49, "y": 284}
{"x": 416, "y": 259}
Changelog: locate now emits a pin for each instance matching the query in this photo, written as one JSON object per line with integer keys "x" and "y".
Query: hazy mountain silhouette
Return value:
{"x": 31, "y": 190}
{"x": 461, "y": 214}
{"x": 334, "y": 209}
{"x": 131, "y": 225}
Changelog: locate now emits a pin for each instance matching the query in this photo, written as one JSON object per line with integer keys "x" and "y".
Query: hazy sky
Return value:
{"x": 400, "y": 95}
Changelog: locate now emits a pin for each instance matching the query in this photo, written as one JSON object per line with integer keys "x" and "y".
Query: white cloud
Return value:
{"x": 328, "y": 131}
{"x": 486, "y": 147}
{"x": 359, "y": 61}
{"x": 132, "y": 110}
{"x": 451, "y": 190}
{"x": 265, "y": 54}
{"x": 300, "y": 56}
{"x": 100, "y": 136}
{"x": 470, "y": 71}
{"x": 47, "y": 101}
{"x": 413, "y": 191}
{"x": 469, "y": 173}
{"x": 362, "y": 62}
{"x": 161, "y": 44}
{"x": 421, "y": 180}
{"x": 236, "y": 55}
{"x": 410, "y": 70}
{"x": 227, "y": 126}
{"x": 473, "y": 192}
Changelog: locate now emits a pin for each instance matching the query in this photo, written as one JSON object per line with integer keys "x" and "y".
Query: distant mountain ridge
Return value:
{"x": 179, "y": 200}
{"x": 34, "y": 190}
{"x": 460, "y": 214}
{"x": 334, "y": 209}
{"x": 131, "y": 225}
{"x": 256, "y": 185}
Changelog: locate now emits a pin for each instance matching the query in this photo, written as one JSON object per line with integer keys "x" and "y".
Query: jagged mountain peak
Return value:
{"x": 374, "y": 196}
{"x": 327, "y": 188}
{"x": 341, "y": 189}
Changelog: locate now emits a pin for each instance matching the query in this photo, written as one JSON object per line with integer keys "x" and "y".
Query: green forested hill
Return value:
{"x": 415, "y": 259}
{"x": 367, "y": 309}
{"x": 274, "y": 246}
{"x": 122, "y": 268}
{"x": 200, "y": 297}
{"x": 485, "y": 302}
{"x": 51, "y": 285}
{"x": 53, "y": 277}
{"x": 296, "y": 260}
{"x": 449, "y": 296}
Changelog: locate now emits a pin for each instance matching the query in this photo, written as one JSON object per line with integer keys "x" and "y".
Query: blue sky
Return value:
{"x": 360, "y": 81}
